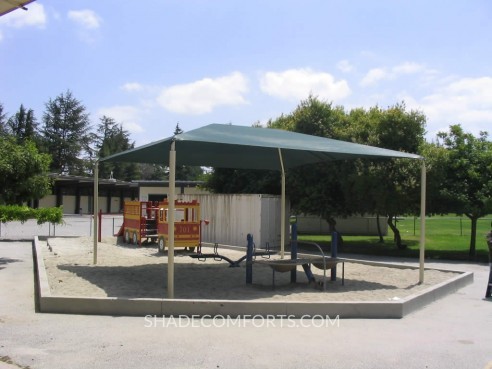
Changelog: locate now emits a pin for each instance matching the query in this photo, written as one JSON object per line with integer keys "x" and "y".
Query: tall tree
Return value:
{"x": 65, "y": 133}
{"x": 23, "y": 125}
{"x": 468, "y": 186}
{"x": 387, "y": 187}
{"x": 317, "y": 189}
{"x": 23, "y": 172}
{"x": 111, "y": 139}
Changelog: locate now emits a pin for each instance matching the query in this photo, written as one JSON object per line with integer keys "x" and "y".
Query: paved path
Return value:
{"x": 454, "y": 332}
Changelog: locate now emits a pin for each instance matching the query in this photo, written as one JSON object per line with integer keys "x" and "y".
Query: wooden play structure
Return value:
{"x": 147, "y": 221}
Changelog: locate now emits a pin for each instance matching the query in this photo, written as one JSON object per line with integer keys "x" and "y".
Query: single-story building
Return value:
{"x": 76, "y": 193}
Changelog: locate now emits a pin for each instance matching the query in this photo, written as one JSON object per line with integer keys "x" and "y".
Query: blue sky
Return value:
{"x": 154, "y": 63}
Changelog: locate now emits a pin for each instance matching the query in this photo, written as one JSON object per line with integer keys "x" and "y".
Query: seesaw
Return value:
{"x": 232, "y": 263}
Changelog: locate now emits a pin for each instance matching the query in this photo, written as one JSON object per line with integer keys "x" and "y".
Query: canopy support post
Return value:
{"x": 282, "y": 207}
{"x": 170, "y": 220}
{"x": 96, "y": 208}
{"x": 423, "y": 186}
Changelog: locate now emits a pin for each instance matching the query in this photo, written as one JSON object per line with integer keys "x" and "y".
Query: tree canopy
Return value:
{"x": 110, "y": 139}
{"x": 467, "y": 188}
{"x": 23, "y": 172}
{"x": 23, "y": 125}
{"x": 65, "y": 133}
{"x": 344, "y": 188}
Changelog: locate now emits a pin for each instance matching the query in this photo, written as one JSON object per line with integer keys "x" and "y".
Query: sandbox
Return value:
{"x": 130, "y": 280}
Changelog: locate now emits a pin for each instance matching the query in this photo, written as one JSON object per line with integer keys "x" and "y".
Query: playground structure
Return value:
{"x": 284, "y": 265}
{"x": 147, "y": 221}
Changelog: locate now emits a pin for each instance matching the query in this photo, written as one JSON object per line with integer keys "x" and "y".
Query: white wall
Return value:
{"x": 232, "y": 217}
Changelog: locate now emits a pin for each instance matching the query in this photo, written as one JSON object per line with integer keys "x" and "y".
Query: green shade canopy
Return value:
{"x": 228, "y": 146}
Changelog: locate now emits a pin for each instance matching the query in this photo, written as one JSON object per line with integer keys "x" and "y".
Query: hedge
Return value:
{"x": 12, "y": 213}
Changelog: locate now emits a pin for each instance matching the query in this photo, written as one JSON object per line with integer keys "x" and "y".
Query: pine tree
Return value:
{"x": 112, "y": 139}
{"x": 65, "y": 133}
{"x": 23, "y": 125}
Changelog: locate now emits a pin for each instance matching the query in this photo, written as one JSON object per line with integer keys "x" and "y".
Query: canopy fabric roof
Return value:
{"x": 229, "y": 146}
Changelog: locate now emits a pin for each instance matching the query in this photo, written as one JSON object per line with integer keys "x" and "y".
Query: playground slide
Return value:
{"x": 120, "y": 232}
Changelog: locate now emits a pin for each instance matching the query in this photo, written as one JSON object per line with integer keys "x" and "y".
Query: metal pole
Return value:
{"x": 423, "y": 186}
{"x": 96, "y": 207}
{"x": 99, "y": 228}
{"x": 170, "y": 218}
{"x": 334, "y": 254}
{"x": 249, "y": 259}
{"x": 293, "y": 251}
{"x": 282, "y": 207}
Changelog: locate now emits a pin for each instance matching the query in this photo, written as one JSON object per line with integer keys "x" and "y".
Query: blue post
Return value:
{"x": 334, "y": 252}
{"x": 293, "y": 251}
{"x": 249, "y": 260}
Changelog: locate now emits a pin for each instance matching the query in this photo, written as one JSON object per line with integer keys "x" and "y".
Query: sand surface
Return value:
{"x": 127, "y": 271}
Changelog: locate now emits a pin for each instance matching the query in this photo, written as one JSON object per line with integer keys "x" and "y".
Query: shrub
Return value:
{"x": 12, "y": 213}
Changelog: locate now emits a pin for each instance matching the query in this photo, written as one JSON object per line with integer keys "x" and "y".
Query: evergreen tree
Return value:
{"x": 111, "y": 139}
{"x": 65, "y": 133}
{"x": 23, "y": 125}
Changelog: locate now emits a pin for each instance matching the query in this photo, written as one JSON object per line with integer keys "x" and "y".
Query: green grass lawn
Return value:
{"x": 447, "y": 237}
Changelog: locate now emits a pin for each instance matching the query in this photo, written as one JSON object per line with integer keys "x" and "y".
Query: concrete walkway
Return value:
{"x": 455, "y": 332}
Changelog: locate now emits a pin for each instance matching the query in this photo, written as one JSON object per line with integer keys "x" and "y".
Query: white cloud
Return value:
{"x": 345, "y": 66}
{"x": 35, "y": 16}
{"x": 296, "y": 84}
{"x": 203, "y": 96}
{"x": 467, "y": 101}
{"x": 378, "y": 74}
{"x": 86, "y": 18}
{"x": 132, "y": 87}
{"x": 127, "y": 115}
{"x": 407, "y": 68}
{"x": 373, "y": 76}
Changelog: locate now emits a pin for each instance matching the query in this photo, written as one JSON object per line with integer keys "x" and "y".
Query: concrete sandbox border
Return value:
{"x": 47, "y": 303}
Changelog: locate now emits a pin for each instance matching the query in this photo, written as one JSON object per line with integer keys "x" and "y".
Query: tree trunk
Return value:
{"x": 380, "y": 234}
{"x": 473, "y": 236}
{"x": 396, "y": 232}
